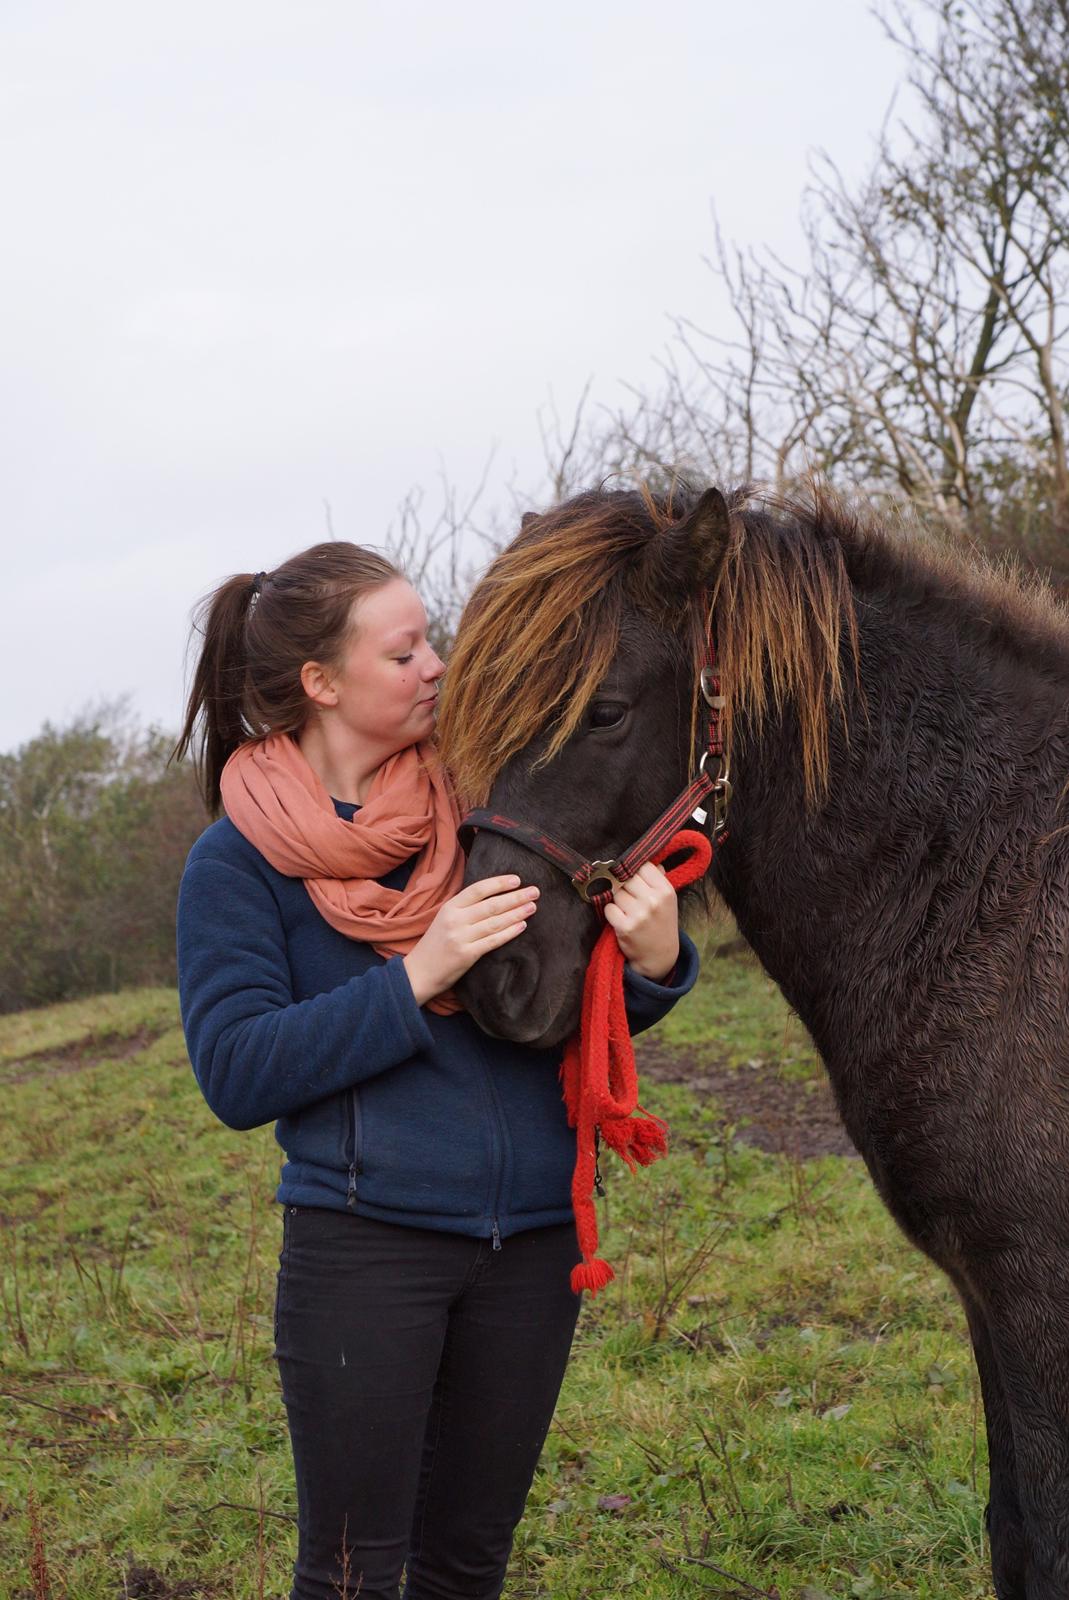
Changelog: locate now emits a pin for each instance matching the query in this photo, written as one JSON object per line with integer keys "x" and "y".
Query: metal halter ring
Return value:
{"x": 600, "y": 872}
{"x": 725, "y": 768}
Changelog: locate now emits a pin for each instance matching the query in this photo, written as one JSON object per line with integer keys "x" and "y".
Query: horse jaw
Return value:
{"x": 530, "y": 990}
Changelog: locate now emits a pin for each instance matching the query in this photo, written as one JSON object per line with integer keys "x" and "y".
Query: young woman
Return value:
{"x": 423, "y": 1315}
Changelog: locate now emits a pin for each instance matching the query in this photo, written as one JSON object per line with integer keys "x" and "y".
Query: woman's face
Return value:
{"x": 387, "y": 681}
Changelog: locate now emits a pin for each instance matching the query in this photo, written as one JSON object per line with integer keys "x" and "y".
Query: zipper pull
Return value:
{"x": 495, "y": 1236}
{"x": 350, "y": 1198}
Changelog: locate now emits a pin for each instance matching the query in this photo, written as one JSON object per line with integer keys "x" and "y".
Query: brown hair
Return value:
{"x": 259, "y": 629}
{"x": 543, "y": 625}
{"x": 541, "y": 629}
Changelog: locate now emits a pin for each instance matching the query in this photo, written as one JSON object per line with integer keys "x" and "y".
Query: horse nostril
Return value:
{"x": 514, "y": 984}
{"x": 509, "y": 976}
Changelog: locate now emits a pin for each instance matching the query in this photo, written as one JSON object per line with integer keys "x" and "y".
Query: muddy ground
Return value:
{"x": 764, "y": 1109}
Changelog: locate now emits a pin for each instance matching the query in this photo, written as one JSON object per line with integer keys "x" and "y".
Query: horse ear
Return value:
{"x": 705, "y": 529}
{"x": 527, "y": 518}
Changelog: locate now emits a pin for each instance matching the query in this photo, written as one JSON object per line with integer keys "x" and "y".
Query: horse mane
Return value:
{"x": 543, "y": 625}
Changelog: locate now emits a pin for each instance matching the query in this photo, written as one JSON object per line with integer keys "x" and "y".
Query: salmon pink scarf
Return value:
{"x": 274, "y": 799}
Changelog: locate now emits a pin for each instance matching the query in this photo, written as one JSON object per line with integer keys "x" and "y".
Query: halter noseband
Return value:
{"x": 597, "y": 881}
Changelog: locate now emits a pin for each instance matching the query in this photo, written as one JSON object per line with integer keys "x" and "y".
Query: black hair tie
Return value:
{"x": 258, "y": 582}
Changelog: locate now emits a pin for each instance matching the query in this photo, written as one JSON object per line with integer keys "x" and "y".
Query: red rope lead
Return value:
{"x": 599, "y": 1075}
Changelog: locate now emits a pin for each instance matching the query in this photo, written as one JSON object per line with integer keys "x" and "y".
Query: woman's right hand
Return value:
{"x": 480, "y": 918}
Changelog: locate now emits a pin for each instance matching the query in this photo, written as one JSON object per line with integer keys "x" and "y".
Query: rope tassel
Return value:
{"x": 600, "y": 1078}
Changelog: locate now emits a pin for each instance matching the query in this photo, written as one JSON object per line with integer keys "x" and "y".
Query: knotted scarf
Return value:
{"x": 275, "y": 799}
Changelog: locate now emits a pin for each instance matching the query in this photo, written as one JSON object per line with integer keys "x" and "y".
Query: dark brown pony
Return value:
{"x": 898, "y": 857}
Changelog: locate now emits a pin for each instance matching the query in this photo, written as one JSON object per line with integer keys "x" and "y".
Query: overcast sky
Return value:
{"x": 259, "y": 256}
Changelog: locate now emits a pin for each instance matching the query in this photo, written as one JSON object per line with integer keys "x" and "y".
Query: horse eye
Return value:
{"x": 606, "y": 713}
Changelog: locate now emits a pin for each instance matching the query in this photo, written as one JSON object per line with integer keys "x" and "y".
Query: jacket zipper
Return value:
{"x": 498, "y": 1141}
{"x": 354, "y": 1148}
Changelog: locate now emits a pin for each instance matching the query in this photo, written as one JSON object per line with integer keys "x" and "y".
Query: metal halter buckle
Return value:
{"x": 721, "y": 799}
{"x": 710, "y": 692}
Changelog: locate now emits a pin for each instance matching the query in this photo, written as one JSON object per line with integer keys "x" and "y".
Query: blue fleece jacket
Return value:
{"x": 381, "y": 1107}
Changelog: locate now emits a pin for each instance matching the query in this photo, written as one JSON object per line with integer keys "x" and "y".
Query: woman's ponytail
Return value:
{"x": 258, "y": 630}
{"x": 215, "y": 712}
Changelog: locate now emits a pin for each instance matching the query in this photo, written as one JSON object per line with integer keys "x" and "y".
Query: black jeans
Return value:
{"x": 419, "y": 1371}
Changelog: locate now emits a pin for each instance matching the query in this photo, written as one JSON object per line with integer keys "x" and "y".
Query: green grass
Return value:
{"x": 776, "y": 1388}
{"x": 741, "y": 1016}
{"x": 107, "y": 1016}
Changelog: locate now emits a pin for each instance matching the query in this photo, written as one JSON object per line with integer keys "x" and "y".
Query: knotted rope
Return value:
{"x": 600, "y": 1078}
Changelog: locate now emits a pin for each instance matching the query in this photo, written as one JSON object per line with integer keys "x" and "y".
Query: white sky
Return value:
{"x": 259, "y": 255}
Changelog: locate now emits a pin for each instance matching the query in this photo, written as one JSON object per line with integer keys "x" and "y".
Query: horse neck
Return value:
{"x": 947, "y": 775}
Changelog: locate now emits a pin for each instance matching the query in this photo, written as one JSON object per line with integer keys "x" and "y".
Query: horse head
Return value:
{"x": 570, "y": 704}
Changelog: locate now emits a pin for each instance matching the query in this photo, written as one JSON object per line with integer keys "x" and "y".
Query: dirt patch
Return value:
{"x": 80, "y": 1055}
{"x": 145, "y": 1583}
{"x": 766, "y": 1110}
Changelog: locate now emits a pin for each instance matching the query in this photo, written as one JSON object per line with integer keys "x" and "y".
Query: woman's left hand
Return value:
{"x": 644, "y": 916}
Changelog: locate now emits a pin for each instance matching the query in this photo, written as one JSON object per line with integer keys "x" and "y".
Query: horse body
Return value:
{"x": 918, "y": 922}
{"x": 916, "y": 917}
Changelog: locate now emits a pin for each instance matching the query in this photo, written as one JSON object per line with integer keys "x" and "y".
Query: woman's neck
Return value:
{"x": 344, "y": 765}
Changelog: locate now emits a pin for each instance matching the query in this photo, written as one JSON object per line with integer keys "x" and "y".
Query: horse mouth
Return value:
{"x": 516, "y": 1034}
{"x": 505, "y": 1006}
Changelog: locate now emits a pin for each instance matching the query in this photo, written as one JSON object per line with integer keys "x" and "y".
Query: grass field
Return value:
{"x": 775, "y": 1399}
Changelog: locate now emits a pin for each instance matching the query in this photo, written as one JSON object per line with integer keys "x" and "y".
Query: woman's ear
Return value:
{"x": 705, "y": 531}
{"x": 318, "y": 684}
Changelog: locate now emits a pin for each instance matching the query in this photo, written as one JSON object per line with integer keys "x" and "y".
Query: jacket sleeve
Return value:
{"x": 647, "y": 1002}
{"x": 256, "y": 1052}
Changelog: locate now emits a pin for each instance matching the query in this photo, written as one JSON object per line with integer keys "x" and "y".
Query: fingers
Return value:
{"x": 487, "y": 926}
{"x": 653, "y": 873}
{"x": 481, "y": 925}
{"x": 648, "y": 887}
{"x": 643, "y": 915}
{"x": 494, "y": 941}
{"x": 502, "y": 905}
{"x": 654, "y": 880}
{"x": 491, "y": 896}
{"x": 485, "y": 886}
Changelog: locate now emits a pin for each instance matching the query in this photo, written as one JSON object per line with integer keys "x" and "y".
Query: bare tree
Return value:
{"x": 920, "y": 353}
{"x": 922, "y": 350}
